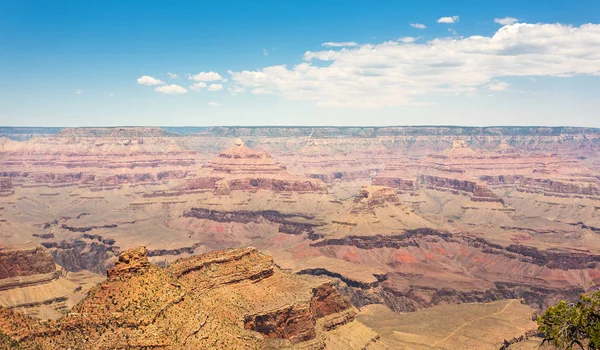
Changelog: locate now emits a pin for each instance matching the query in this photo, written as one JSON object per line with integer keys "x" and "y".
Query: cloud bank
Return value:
{"x": 397, "y": 73}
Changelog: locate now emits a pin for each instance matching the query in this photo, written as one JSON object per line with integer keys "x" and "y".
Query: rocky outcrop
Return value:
{"x": 294, "y": 322}
{"x": 458, "y": 148}
{"x": 25, "y": 260}
{"x": 395, "y": 182}
{"x": 286, "y": 222}
{"x": 82, "y": 254}
{"x": 478, "y": 192}
{"x": 589, "y": 187}
{"x": 31, "y": 282}
{"x": 256, "y": 183}
{"x": 494, "y": 272}
{"x": 326, "y": 301}
{"x": 6, "y": 188}
{"x": 240, "y": 159}
{"x": 241, "y": 168}
{"x": 130, "y": 262}
{"x": 198, "y": 302}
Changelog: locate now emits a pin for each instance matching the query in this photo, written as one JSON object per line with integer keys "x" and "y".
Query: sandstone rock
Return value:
{"x": 198, "y": 302}
{"x": 32, "y": 283}
{"x": 130, "y": 262}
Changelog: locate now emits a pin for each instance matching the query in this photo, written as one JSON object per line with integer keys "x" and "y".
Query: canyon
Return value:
{"x": 409, "y": 219}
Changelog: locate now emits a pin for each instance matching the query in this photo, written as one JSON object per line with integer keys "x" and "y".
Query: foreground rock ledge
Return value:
{"x": 224, "y": 299}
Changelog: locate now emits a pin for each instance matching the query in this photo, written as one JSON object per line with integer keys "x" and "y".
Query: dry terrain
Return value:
{"x": 402, "y": 217}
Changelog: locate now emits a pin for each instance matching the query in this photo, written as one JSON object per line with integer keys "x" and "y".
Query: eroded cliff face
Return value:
{"x": 428, "y": 267}
{"x": 22, "y": 261}
{"x": 511, "y": 212}
{"x": 198, "y": 302}
{"x": 285, "y": 222}
{"x": 87, "y": 253}
{"x": 31, "y": 282}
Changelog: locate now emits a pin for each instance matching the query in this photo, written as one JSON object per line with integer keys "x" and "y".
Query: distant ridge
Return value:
{"x": 24, "y": 133}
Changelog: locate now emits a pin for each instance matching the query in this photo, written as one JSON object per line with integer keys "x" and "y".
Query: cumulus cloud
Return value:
{"x": 215, "y": 87}
{"x": 173, "y": 75}
{"x": 448, "y": 20}
{"x": 206, "y": 76}
{"x": 408, "y": 39}
{"x": 198, "y": 86}
{"x": 340, "y": 44}
{"x": 392, "y": 73}
{"x": 211, "y": 103}
{"x": 148, "y": 80}
{"x": 171, "y": 89}
{"x": 498, "y": 86}
{"x": 418, "y": 25}
{"x": 506, "y": 21}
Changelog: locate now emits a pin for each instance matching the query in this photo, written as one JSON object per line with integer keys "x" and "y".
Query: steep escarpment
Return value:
{"x": 32, "y": 283}
{"x": 478, "y": 192}
{"x": 288, "y": 223}
{"x": 83, "y": 254}
{"x": 408, "y": 217}
{"x": 375, "y": 210}
{"x": 241, "y": 168}
{"x": 427, "y": 267}
{"x": 24, "y": 261}
{"x": 198, "y": 302}
{"x": 96, "y": 157}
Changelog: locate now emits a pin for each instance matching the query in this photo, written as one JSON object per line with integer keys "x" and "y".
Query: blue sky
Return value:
{"x": 77, "y": 63}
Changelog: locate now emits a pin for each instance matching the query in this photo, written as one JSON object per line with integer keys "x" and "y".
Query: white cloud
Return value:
{"x": 215, "y": 87}
{"x": 339, "y": 44}
{"x": 451, "y": 30}
{"x": 418, "y": 25}
{"x": 148, "y": 80}
{"x": 392, "y": 73}
{"x": 198, "y": 86}
{"x": 78, "y": 92}
{"x": 173, "y": 75}
{"x": 408, "y": 39}
{"x": 498, "y": 86}
{"x": 261, "y": 91}
{"x": 506, "y": 20}
{"x": 448, "y": 20}
{"x": 206, "y": 76}
{"x": 211, "y": 103}
{"x": 171, "y": 89}
{"x": 265, "y": 52}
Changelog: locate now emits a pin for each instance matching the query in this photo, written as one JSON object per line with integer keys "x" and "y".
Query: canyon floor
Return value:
{"x": 417, "y": 227}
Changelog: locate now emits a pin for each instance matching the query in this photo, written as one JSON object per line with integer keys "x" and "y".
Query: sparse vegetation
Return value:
{"x": 573, "y": 325}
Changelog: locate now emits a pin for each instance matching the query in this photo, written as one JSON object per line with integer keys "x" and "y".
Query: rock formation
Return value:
{"x": 409, "y": 217}
{"x": 221, "y": 300}
{"x": 32, "y": 283}
{"x": 240, "y": 168}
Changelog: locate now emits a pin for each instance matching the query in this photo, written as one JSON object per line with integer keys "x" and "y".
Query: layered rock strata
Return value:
{"x": 220, "y": 300}
{"x": 31, "y": 282}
